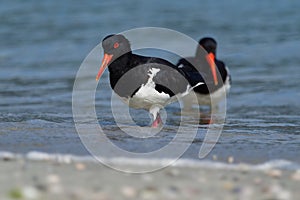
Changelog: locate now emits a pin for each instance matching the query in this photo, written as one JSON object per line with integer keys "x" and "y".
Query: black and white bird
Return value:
{"x": 148, "y": 83}
{"x": 216, "y": 77}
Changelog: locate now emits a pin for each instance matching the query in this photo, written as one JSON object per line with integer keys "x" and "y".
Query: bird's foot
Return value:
{"x": 206, "y": 119}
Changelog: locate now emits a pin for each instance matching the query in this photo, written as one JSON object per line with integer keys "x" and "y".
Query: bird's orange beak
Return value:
{"x": 105, "y": 61}
{"x": 211, "y": 60}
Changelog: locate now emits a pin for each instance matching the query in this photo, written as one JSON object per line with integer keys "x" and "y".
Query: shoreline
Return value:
{"x": 139, "y": 162}
{"x": 51, "y": 179}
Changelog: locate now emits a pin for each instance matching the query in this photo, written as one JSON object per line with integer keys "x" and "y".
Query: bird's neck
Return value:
{"x": 118, "y": 67}
{"x": 120, "y": 63}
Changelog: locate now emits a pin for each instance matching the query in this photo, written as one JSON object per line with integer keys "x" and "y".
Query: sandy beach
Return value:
{"x": 28, "y": 179}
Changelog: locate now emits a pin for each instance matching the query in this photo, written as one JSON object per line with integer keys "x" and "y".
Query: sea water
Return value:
{"x": 43, "y": 44}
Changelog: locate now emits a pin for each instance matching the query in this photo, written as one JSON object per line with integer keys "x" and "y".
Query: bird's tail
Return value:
{"x": 188, "y": 90}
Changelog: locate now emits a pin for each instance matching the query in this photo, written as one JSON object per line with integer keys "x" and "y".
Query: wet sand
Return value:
{"x": 27, "y": 179}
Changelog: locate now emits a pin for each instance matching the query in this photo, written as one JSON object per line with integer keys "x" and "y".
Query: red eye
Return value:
{"x": 116, "y": 45}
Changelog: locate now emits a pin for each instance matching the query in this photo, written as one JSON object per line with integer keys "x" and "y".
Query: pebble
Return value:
{"x": 246, "y": 193}
{"x": 149, "y": 193}
{"x": 235, "y": 179}
{"x": 30, "y": 192}
{"x": 230, "y": 159}
{"x": 275, "y": 173}
{"x": 171, "y": 192}
{"x": 53, "y": 179}
{"x": 296, "y": 176}
{"x": 244, "y": 168}
{"x": 7, "y": 156}
{"x": 54, "y": 184}
{"x": 64, "y": 159}
{"x": 223, "y": 177}
{"x": 173, "y": 172}
{"x": 265, "y": 189}
{"x": 147, "y": 178}
{"x": 215, "y": 157}
{"x": 41, "y": 187}
{"x": 173, "y": 189}
{"x": 279, "y": 193}
{"x": 15, "y": 193}
{"x": 80, "y": 166}
{"x": 99, "y": 196}
{"x": 228, "y": 185}
{"x": 129, "y": 192}
{"x": 192, "y": 192}
{"x": 257, "y": 180}
{"x": 236, "y": 190}
{"x": 202, "y": 179}
{"x": 56, "y": 189}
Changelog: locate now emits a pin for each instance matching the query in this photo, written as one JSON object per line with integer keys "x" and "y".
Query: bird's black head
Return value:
{"x": 209, "y": 44}
{"x": 116, "y": 45}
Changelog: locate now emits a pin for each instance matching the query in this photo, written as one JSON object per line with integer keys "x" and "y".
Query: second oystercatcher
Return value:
{"x": 142, "y": 82}
{"x": 217, "y": 83}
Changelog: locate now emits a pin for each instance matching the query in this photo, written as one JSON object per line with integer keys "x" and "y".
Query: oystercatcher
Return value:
{"x": 216, "y": 85}
{"x": 142, "y": 82}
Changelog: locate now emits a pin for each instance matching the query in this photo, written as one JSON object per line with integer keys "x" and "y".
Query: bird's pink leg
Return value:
{"x": 157, "y": 122}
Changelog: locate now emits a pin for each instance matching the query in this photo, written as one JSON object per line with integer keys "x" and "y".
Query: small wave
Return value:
{"x": 35, "y": 118}
{"x": 69, "y": 158}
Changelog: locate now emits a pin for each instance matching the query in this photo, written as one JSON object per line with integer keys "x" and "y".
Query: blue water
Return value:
{"x": 43, "y": 44}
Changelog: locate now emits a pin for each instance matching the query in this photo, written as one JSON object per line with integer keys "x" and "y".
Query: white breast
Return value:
{"x": 147, "y": 96}
{"x": 216, "y": 96}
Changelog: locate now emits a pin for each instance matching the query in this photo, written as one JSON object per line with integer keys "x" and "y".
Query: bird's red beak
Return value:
{"x": 105, "y": 61}
{"x": 211, "y": 60}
